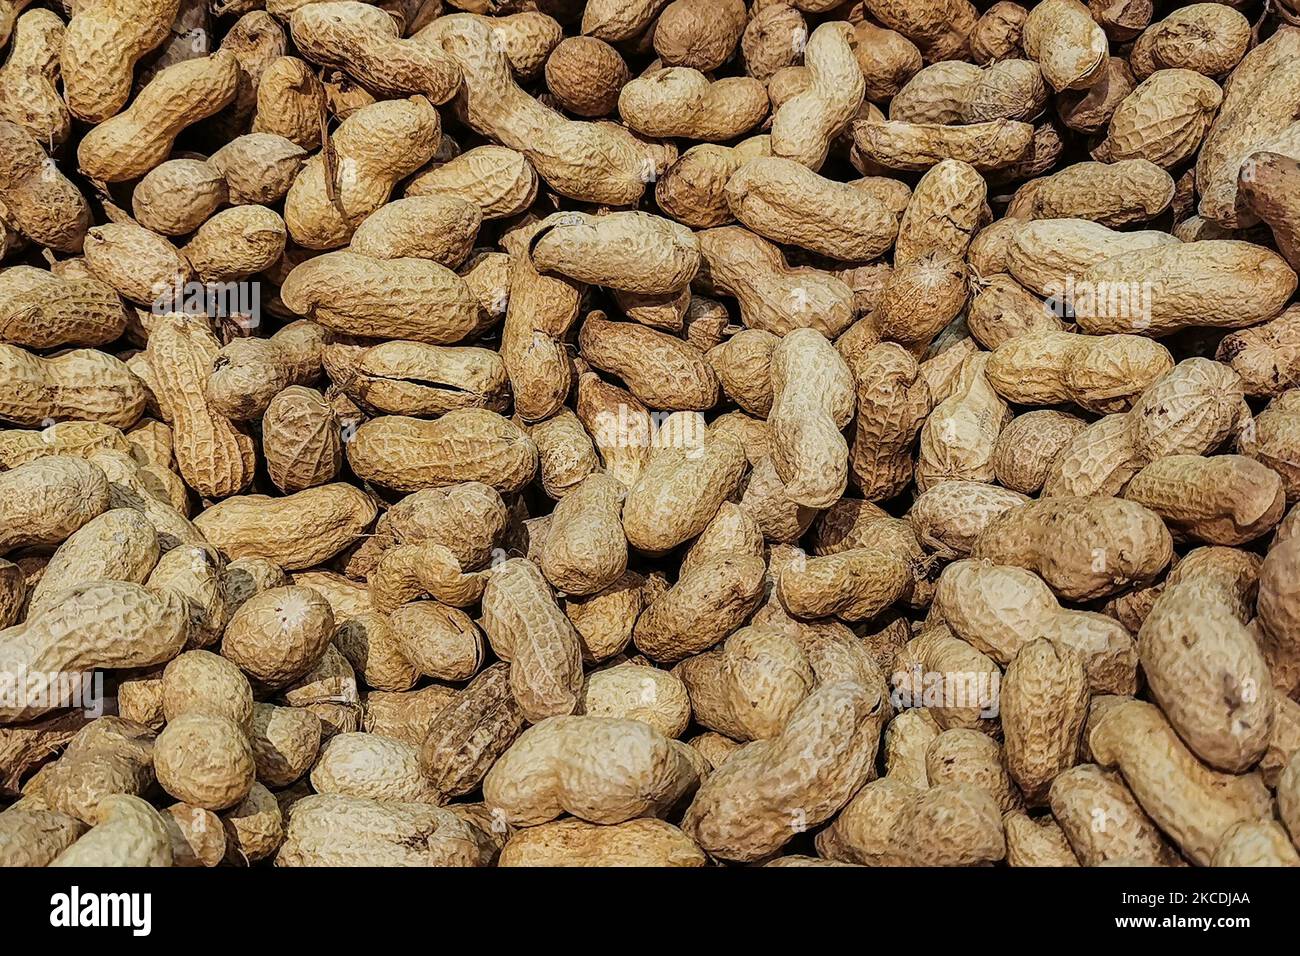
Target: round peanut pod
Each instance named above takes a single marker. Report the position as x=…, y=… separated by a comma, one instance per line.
x=585, y=550
x=636, y=692
x=246, y=375
x=236, y=243
x=368, y=765
x=968, y=756
x=290, y=100
x=438, y=228
x=748, y=688
x=178, y=196
x=585, y=75
x=279, y=635
x=302, y=440
x=257, y=167
x=200, y=682
x=205, y=761
x=441, y=642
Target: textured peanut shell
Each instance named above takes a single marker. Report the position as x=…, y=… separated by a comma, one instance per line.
x=119, y=545
x=1000, y=609
x=467, y=736
x=585, y=75
x=525, y=626
x=373, y=148
x=1043, y=706
x=301, y=440
x=634, y=691
x=38, y=199
x=126, y=832
x=804, y=126
x=1203, y=665
x=1043, y=255
x=1067, y=43
x=442, y=642
x=1102, y=821
x=297, y=531
x=1225, y=499
x=1259, y=102
x=205, y=761
x=41, y=310
x=285, y=741
x=582, y=160
x=178, y=196
x=756, y=801
x=383, y=298
x=968, y=756
x=214, y=457
x=412, y=378
x=813, y=399
x=1084, y=547
x=35, y=837
x=679, y=491
x=1163, y=120
x=370, y=766
x=467, y=444
x=29, y=94
x=1219, y=283
x=903, y=146
x=1101, y=374
x=784, y=201
x=85, y=629
x=600, y=769
x=1193, y=804
x=585, y=550
x=279, y=635
x=136, y=140
x=680, y=102
x=339, y=830
x=700, y=609
x=366, y=43
x=958, y=439
x=749, y=687
x=98, y=75
x=641, y=842
x=500, y=181
x=661, y=370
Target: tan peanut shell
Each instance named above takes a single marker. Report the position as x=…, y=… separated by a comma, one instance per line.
x=1195, y=805
x=561, y=765
x=525, y=625
x=753, y=805
x=297, y=531
x=803, y=127
x=97, y=76
x=136, y=140
x=39, y=201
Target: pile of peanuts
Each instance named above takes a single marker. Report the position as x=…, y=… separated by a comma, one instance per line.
x=649, y=432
